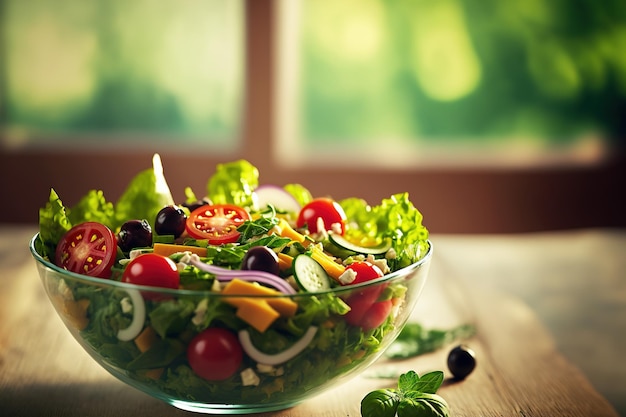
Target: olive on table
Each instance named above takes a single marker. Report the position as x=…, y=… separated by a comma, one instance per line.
x=461, y=361
x=134, y=234
x=170, y=220
x=260, y=258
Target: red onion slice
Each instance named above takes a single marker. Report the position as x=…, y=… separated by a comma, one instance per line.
x=224, y=274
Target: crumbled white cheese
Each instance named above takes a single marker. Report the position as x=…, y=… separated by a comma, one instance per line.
x=200, y=312
x=186, y=258
x=347, y=277
x=391, y=254
x=249, y=377
x=321, y=226
x=336, y=228
x=277, y=230
x=136, y=252
x=127, y=306
x=65, y=291
x=270, y=369
x=380, y=263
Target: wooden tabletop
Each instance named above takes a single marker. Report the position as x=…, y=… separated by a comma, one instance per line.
x=520, y=370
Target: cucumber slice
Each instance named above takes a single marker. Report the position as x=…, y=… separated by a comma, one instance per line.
x=309, y=274
x=366, y=250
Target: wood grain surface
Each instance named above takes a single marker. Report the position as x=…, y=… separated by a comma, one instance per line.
x=520, y=372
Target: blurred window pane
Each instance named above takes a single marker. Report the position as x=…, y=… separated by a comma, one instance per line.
x=104, y=72
x=425, y=82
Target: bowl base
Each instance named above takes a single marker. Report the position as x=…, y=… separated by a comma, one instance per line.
x=228, y=409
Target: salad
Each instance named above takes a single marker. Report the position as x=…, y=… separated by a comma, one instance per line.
x=264, y=290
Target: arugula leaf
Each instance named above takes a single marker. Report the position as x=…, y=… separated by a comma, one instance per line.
x=257, y=227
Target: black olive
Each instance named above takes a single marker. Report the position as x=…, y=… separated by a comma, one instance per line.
x=461, y=361
x=197, y=204
x=260, y=258
x=134, y=234
x=170, y=220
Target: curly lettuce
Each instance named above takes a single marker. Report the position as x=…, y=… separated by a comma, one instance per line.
x=395, y=218
x=234, y=183
x=146, y=194
x=53, y=224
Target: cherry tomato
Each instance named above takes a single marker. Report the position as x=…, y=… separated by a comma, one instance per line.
x=88, y=248
x=153, y=270
x=360, y=302
x=217, y=223
x=365, y=309
x=365, y=271
x=322, y=208
x=376, y=315
x=215, y=354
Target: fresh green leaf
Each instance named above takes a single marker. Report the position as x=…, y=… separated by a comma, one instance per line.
x=144, y=197
x=233, y=183
x=300, y=193
x=424, y=405
x=395, y=218
x=415, y=397
x=93, y=207
x=256, y=227
x=53, y=224
x=161, y=354
x=380, y=403
x=428, y=383
x=415, y=340
x=170, y=317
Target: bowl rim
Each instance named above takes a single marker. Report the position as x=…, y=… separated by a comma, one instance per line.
x=403, y=272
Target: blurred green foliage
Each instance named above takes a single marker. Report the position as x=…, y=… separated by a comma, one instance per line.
x=143, y=68
x=463, y=70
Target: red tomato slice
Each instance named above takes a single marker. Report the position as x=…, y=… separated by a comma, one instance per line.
x=217, y=223
x=326, y=209
x=88, y=248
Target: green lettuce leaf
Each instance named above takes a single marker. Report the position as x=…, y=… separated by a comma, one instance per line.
x=93, y=207
x=233, y=183
x=300, y=193
x=53, y=224
x=395, y=218
x=144, y=197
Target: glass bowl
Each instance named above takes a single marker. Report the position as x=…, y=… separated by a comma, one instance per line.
x=141, y=336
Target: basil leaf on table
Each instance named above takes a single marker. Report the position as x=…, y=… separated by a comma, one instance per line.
x=415, y=396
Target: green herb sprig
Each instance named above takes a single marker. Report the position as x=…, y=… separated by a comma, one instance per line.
x=415, y=396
